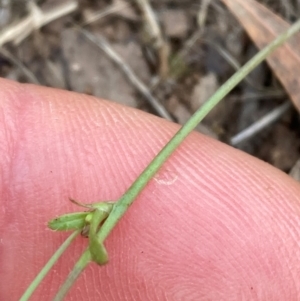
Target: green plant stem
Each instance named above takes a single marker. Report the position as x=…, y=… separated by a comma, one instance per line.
x=41, y=275
x=80, y=265
x=134, y=190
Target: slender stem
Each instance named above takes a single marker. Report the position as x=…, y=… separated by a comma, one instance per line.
x=80, y=265
x=34, y=284
x=134, y=190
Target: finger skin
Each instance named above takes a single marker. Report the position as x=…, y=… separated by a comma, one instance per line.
x=213, y=224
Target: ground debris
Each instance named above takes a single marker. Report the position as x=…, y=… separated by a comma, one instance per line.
x=196, y=58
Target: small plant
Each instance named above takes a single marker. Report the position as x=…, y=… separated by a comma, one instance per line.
x=99, y=219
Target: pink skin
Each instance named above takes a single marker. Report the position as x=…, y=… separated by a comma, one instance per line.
x=214, y=223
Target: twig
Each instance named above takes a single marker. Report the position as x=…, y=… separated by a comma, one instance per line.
x=104, y=46
x=232, y=62
x=202, y=14
x=5, y=13
x=260, y=124
x=201, y=20
x=156, y=36
x=36, y=19
x=105, y=12
x=29, y=75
